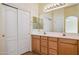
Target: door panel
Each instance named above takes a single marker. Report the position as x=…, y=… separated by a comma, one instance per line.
x=26, y=30
x=23, y=30
x=21, y=44
x=11, y=21
x=11, y=45
x=2, y=44
x=10, y=29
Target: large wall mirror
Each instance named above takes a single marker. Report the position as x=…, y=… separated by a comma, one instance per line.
x=60, y=20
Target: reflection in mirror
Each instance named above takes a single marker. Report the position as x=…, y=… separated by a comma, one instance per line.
x=47, y=20
x=71, y=24
x=54, y=21
x=37, y=24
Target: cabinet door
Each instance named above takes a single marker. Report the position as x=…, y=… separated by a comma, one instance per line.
x=44, y=42
x=67, y=49
x=44, y=45
x=44, y=50
x=10, y=20
x=78, y=47
x=52, y=52
x=36, y=45
x=52, y=45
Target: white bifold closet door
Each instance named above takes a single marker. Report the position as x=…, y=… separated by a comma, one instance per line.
x=17, y=30
x=10, y=19
x=23, y=32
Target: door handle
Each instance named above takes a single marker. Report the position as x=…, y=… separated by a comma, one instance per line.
x=3, y=35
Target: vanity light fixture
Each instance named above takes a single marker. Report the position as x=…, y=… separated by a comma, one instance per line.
x=54, y=6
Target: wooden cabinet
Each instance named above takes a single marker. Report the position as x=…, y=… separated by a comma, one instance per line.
x=52, y=46
x=67, y=47
x=36, y=44
x=44, y=45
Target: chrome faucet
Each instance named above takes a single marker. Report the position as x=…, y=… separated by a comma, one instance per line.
x=44, y=32
x=64, y=34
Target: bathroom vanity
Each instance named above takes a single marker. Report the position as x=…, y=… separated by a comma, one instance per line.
x=64, y=20
x=52, y=44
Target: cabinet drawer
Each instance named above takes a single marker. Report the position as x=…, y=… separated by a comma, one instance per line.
x=72, y=41
x=43, y=50
x=52, y=52
x=44, y=43
x=52, y=39
x=52, y=44
x=36, y=36
x=44, y=37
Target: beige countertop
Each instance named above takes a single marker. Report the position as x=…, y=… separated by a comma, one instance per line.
x=59, y=35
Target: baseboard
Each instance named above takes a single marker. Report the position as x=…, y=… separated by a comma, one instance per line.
x=25, y=52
